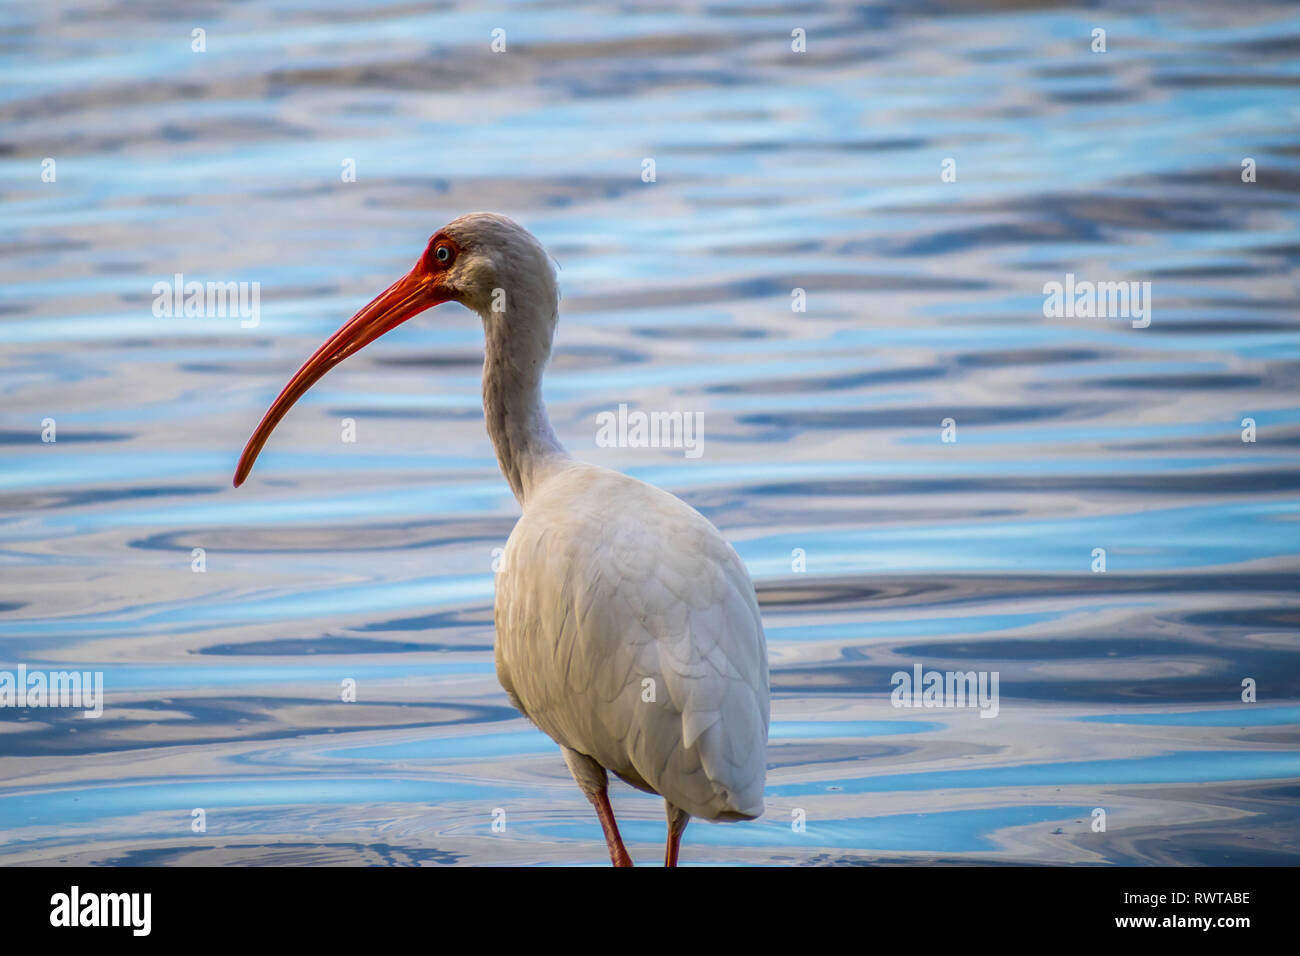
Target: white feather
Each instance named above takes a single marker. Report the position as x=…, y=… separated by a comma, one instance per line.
x=608, y=583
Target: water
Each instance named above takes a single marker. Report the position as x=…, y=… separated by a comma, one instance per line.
x=371, y=561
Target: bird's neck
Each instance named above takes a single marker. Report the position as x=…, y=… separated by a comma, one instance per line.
x=526, y=445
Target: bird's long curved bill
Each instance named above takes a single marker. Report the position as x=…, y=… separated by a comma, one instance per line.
x=408, y=296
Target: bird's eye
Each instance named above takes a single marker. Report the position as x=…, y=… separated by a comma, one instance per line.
x=442, y=253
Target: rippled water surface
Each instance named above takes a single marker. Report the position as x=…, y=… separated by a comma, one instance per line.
x=774, y=170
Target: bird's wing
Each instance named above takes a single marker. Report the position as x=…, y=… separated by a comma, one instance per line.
x=628, y=630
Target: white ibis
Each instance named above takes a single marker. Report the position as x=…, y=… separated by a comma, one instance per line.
x=626, y=626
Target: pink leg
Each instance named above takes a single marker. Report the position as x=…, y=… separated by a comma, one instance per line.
x=677, y=820
x=592, y=780
x=618, y=854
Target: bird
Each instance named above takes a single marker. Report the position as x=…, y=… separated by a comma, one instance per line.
x=627, y=627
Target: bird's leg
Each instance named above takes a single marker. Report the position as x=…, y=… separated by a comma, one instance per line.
x=677, y=820
x=618, y=854
x=592, y=780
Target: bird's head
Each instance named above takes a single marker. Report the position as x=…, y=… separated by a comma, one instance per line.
x=486, y=262
x=483, y=260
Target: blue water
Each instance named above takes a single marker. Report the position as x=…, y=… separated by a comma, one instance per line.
x=875, y=545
